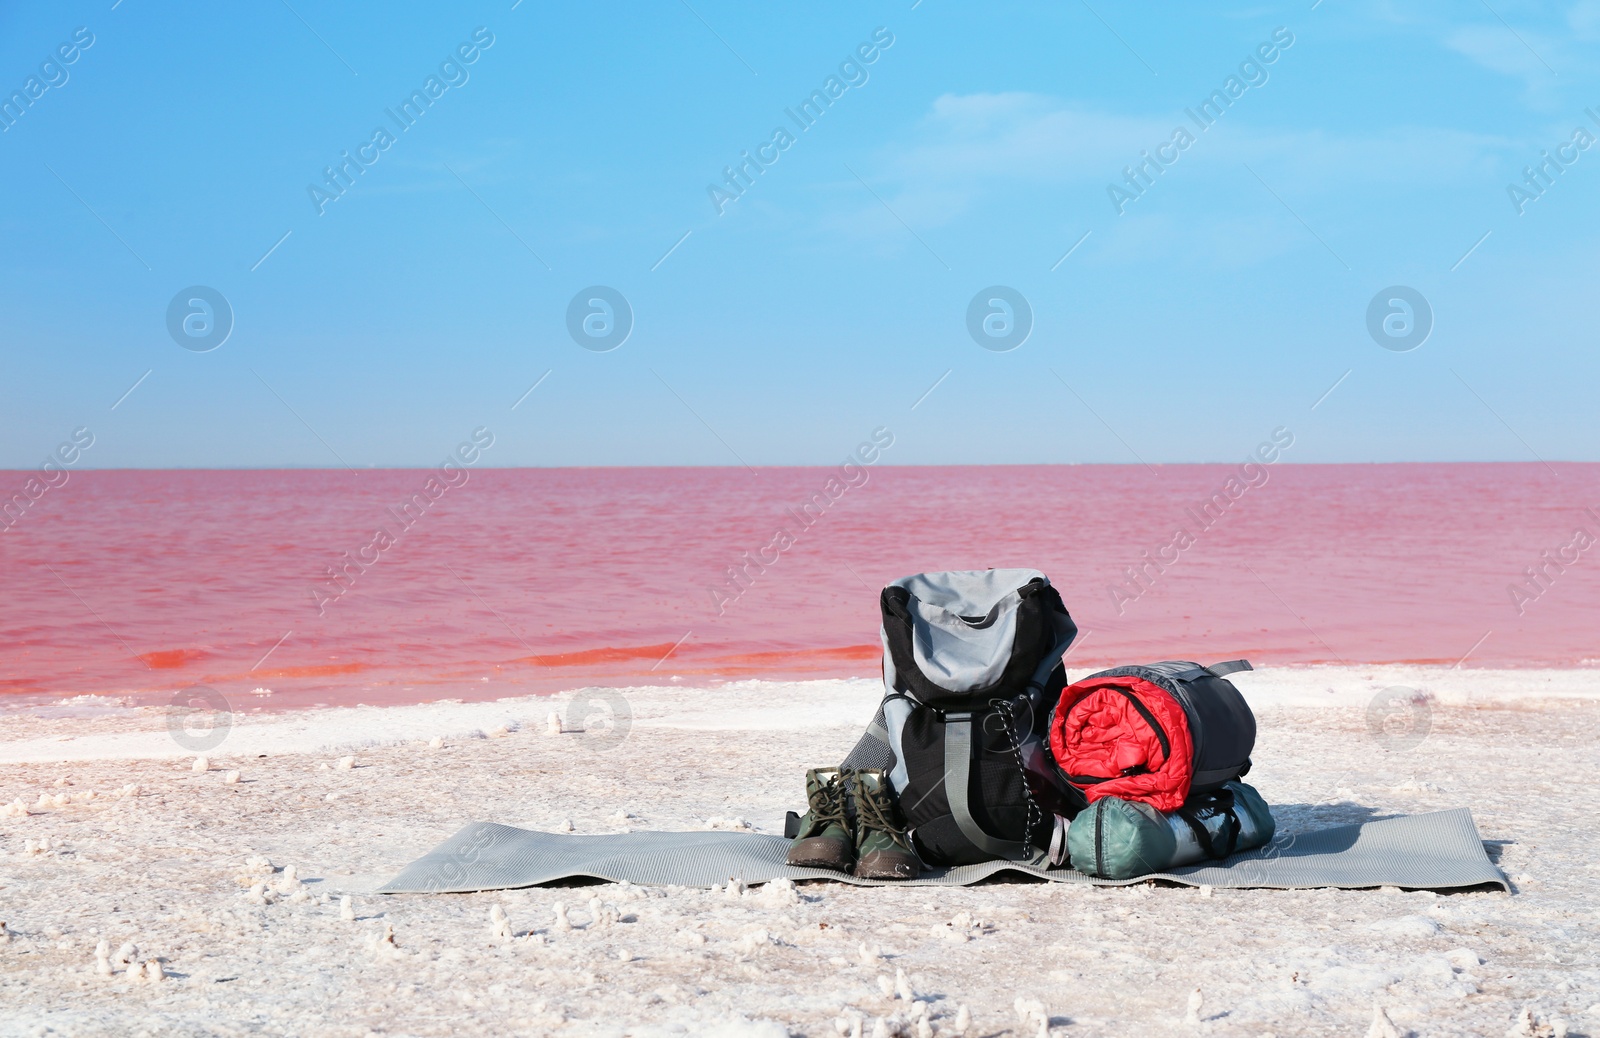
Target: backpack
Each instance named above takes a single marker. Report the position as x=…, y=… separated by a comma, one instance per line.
x=971, y=667
x=1155, y=733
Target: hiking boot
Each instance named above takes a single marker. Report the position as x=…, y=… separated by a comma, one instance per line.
x=823, y=841
x=882, y=849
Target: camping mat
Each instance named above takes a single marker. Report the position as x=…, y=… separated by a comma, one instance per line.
x=1436, y=851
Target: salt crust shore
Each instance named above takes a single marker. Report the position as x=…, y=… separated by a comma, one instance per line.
x=171, y=859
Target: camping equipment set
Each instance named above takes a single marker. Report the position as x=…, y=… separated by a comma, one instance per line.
x=981, y=749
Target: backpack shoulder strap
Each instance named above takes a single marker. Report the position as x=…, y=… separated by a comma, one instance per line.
x=874, y=749
x=957, y=789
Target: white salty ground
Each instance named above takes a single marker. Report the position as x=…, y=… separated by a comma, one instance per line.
x=166, y=867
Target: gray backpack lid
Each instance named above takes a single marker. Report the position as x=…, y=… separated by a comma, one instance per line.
x=964, y=623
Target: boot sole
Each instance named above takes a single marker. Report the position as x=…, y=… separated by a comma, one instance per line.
x=819, y=853
x=875, y=867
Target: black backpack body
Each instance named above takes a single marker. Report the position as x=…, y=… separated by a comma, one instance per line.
x=971, y=669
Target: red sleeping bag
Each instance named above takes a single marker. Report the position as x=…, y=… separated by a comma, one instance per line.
x=1125, y=737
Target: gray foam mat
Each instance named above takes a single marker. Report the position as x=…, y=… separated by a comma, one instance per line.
x=1436, y=851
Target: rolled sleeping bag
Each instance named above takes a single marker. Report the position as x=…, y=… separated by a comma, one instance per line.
x=1153, y=733
x=1124, y=839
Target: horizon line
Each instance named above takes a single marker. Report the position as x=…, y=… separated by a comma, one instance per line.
x=905, y=465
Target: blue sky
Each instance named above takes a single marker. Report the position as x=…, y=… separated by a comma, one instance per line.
x=975, y=150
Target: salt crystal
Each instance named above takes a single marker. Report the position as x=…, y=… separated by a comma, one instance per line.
x=1207, y=892
x=231, y=779
x=1030, y=1010
x=128, y=952
x=387, y=937
x=5, y=935
x=737, y=824
x=963, y=1022
x=153, y=970
x=902, y=986
x=886, y=986
x=552, y=724
x=1407, y=926
x=624, y=955
x=752, y=941
x=347, y=910
x=1531, y=1025
x=869, y=954
x=735, y=887
x=261, y=691
x=1382, y=1026
x=566, y=825
x=499, y=925
x=436, y=743
x=1196, y=1000
x=562, y=922
x=601, y=916
x=880, y=1028
x=345, y=763
x=200, y=764
x=16, y=809
x=102, y=959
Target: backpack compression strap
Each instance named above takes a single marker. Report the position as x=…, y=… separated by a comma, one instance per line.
x=957, y=790
x=1222, y=670
x=1231, y=827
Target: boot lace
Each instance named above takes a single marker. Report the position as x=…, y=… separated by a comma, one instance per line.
x=829, y=806
x=875, y=810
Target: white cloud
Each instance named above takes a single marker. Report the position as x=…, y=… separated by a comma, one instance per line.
x=1522, y=54
x=972, y=145
x=1584, y=19
x=1023, y=136
x=1053, y=159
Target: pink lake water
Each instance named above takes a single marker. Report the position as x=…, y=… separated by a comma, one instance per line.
x=140, y=583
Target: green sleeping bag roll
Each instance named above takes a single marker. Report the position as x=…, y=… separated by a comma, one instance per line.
x=1124, y=839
